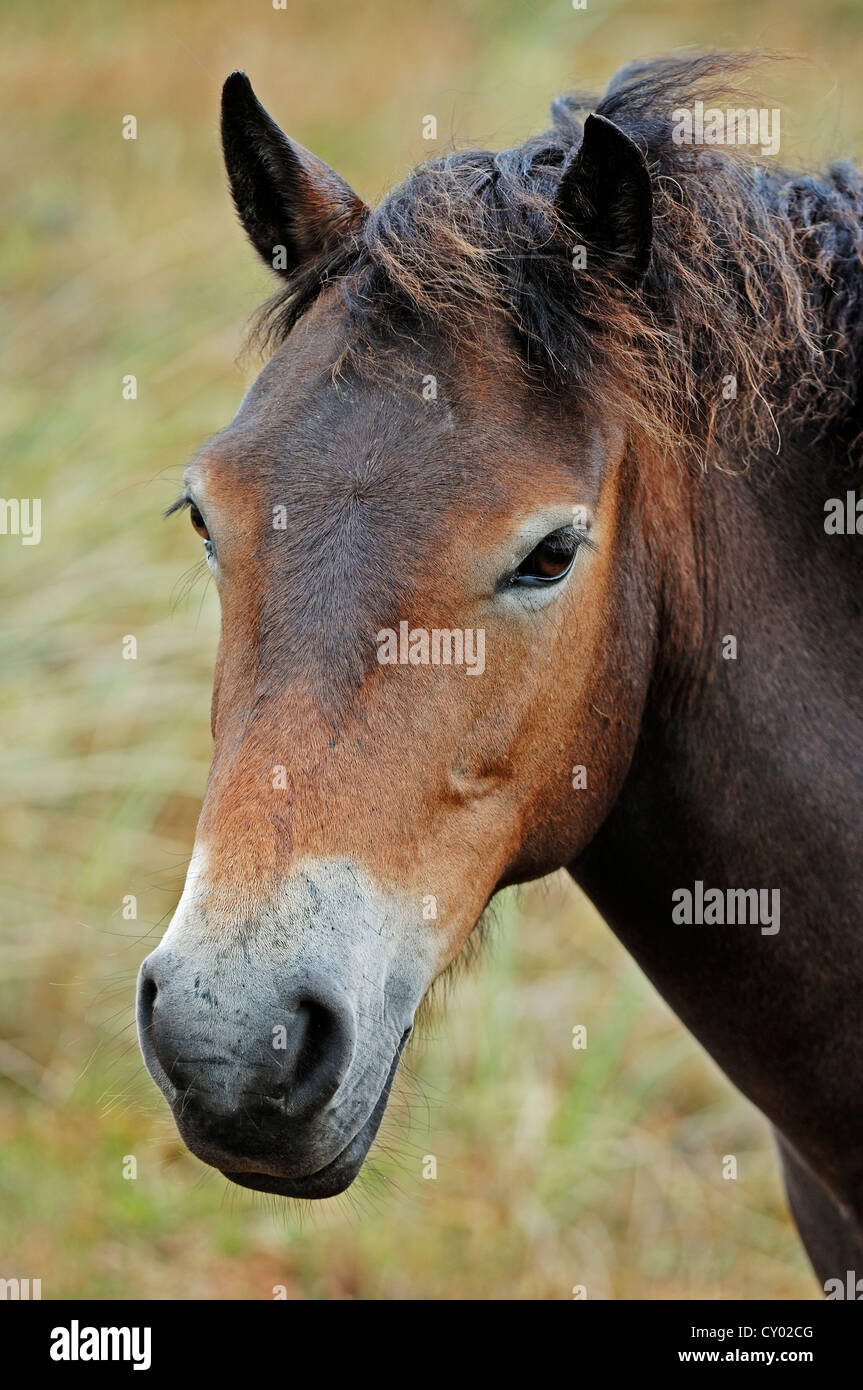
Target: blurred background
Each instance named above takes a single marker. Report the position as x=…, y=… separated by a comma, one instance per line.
x=122, y=257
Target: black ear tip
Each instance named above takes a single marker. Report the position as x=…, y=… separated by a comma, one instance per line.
x=604, y=141
x=601, y=129
x=237, y=89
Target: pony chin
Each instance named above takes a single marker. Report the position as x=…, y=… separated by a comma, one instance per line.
x=334, y=1177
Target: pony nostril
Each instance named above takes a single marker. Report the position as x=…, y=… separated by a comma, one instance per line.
x=146, y=1004
x=147, y=999
x=147, y=991
x=320, y=1050
x=321, y=1029
x=189, y=1051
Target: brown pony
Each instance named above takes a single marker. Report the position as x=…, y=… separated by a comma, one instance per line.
x=537, y=546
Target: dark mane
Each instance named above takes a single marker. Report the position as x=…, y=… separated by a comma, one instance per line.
x=756, y=273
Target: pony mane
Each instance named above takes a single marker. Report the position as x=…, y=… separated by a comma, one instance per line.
x=756, y=274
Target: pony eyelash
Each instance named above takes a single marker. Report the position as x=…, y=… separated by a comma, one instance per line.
x=178, y=506
x=584, y=538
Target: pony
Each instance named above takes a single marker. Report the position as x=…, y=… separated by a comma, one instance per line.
x=596, y=398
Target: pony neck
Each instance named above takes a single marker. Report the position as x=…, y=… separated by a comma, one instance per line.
x=746, y=775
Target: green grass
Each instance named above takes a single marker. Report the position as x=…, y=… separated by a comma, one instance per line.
x=554, y=1167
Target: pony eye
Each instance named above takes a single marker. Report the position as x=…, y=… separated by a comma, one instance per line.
x=549, y=561
x=198, y=522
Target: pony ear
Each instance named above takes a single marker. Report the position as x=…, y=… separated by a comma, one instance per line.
x=293, y=206
x=604, y=198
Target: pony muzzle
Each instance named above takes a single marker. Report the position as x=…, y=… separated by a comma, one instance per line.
x=277, y=1058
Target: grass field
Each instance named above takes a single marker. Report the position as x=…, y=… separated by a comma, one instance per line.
x=555, y=1168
